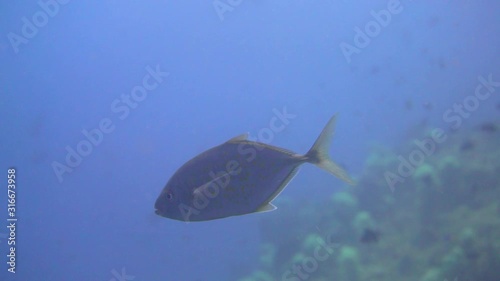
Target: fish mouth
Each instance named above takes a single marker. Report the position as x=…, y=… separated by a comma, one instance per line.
x=161, y=213
x=158, y=207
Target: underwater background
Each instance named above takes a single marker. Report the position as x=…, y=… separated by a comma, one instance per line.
x=101, y=102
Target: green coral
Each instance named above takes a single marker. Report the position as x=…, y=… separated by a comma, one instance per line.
x=298, y=258
x=454, y=258
x=440, y=223
x=467, y=235
x=380, y=157
x=348, y=255
x=345, y=199
x=348, y=261
x=432, y=274
x=447, y=162
x=344, y=205
x=311, y=242
x=426, y=174
x=362, y=221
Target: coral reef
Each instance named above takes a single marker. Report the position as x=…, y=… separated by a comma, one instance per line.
x=440, y=220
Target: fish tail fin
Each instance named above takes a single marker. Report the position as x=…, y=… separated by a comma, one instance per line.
x=319, y=153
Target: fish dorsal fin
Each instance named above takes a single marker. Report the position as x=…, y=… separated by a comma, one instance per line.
x=285, y=151
x=241, y=137
x=266, y=208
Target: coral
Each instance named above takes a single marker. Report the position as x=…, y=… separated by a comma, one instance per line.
x=432, y=274
x=441, y=223
x=298, y=258
x=344, y=205
x=380, y=157
x=348, y=262
x=448, y=162
x=425, y=175
x=467, y=236
x=453, y=260
x=345, y=199
x=311, y=242
x=362, y=221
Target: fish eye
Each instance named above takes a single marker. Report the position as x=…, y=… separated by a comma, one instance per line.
x=169, y=196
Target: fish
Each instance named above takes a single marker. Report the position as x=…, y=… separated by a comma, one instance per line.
x=240, y=177
x=370, y=236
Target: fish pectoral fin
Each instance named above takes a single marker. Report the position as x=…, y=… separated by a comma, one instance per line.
x=241, y=137
x=266, y=208
x=204, y=188
x=199, y=190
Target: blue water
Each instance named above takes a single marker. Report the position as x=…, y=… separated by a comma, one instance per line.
x=71, y=67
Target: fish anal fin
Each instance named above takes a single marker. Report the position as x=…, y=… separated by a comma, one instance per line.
x=266, y=208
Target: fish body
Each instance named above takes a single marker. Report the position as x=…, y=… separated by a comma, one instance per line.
x=238, y=177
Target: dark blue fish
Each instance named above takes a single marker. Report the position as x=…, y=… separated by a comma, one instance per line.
x=239, y=177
